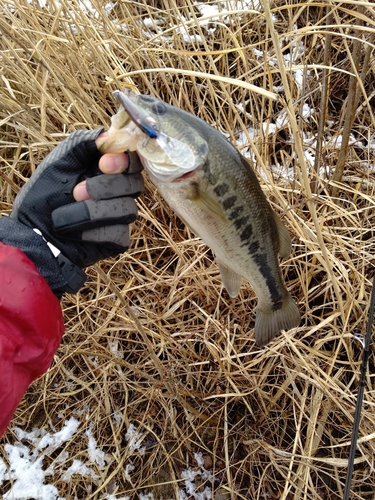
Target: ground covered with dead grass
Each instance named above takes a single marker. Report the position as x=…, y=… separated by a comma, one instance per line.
x=158, y=366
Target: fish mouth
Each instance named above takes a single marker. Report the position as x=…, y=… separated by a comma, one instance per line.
x=191, y=173
x=186, y=175
x=137, y=114
x=168, y=158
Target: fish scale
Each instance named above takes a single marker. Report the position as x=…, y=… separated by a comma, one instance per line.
x=221, y=200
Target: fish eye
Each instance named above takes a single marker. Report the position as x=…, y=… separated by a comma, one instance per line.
x=158, y=108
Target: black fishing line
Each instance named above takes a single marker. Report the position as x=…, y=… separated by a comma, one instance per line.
x=361, y=390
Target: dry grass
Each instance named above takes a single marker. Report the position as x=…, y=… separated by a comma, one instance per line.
x=152, y=339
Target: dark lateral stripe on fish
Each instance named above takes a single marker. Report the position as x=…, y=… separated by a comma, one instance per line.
x=229, y=202
x=238, y=223
x=221, y=189
x=253, y=247
x=266, y=271
x=235, y=213
x=247, y=232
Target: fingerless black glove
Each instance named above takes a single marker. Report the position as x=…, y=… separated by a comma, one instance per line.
x=84, y=232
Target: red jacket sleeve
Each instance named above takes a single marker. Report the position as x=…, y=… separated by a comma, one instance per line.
x=31, y=327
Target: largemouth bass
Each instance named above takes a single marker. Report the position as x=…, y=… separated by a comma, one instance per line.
x=214, y=189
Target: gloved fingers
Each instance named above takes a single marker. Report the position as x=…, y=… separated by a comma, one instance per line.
x=105, y=187
x=135, y=164
x=118, y=234
x=90, y=214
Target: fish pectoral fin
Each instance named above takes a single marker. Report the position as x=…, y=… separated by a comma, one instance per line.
x=208, y=204
x=285, y=243
x=231, y=280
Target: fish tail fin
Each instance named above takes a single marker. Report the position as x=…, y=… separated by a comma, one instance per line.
x=269, y=323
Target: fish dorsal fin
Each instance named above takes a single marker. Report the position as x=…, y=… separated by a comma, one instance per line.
x=231, y=280
x=285, y=243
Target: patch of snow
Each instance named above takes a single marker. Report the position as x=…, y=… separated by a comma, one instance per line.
x=63, y=457
x=259, y=54
x=307, y=111
x=114, y=348
x=40, y=438
x=280, y=172
x=112, y=497
x=27, y=475
x=189, y=38
x=208, y=10
x=54, y=440
x=269, y=127
x=128, y=469
x=94, y=360
x=79, y=468
x=298, y=77
x=26, y=472
x=117, y=417
x=199, y=459
x=134, y=439
x=243, y=138
x=96, y=455
x=42, y=3
x=189, y=475
x=281, y=119
x=310, y=158
x=146, y=496
x=240, y=106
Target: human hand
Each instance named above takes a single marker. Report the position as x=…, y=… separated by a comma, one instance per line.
x=80, y=211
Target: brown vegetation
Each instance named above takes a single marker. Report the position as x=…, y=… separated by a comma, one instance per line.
x=153, y=339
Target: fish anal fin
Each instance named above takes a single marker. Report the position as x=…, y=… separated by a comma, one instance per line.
x=231, y=280
x=269, y=323
x=285, y=243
